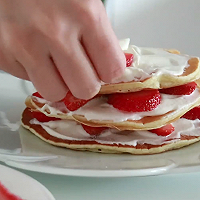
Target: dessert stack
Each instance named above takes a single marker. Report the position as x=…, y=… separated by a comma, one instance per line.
x=152, y=108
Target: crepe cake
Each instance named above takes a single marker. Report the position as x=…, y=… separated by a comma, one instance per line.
x=142, y=110
x=149, y=109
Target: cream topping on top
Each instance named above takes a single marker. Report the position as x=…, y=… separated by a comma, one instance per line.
x=150, y=62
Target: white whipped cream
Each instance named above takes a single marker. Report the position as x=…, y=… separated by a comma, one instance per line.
x=124, y=44
x=99, y=109
x=150, y=62
x=53, y=108
x=71, y=130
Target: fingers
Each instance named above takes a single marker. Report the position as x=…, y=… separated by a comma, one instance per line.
x=11, y=66
x=78, y=37
x=46, y=78
x=76, y=69
x=103, y=48
x=34, y=56
x=15, y=69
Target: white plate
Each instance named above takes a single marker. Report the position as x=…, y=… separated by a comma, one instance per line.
x=29, y=152
x=22, y=185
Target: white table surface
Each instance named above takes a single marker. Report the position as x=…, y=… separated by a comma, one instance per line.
x=164, y=187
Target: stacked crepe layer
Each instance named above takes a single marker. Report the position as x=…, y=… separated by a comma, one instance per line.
x=126, y=132
x=144, y=122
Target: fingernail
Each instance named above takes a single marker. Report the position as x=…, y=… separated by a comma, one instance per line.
x=88, y=93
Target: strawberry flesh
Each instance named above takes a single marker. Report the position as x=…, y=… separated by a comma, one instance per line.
x=192, y=114
x=145, y=100
x=37, y=94
x=73, y=103
x=93, y=130
x=129, y=59
x=42, y=117
x=185, y=89
x=163, y=131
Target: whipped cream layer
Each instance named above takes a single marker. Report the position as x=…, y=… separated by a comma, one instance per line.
x=71, y=130
x=99, y=109
x=150, y=62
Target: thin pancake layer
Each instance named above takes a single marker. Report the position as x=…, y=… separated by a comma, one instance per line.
x=191, y=73
x=144, y=123
x=94, y=146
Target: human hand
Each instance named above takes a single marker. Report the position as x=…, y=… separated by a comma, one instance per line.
x=59, y=45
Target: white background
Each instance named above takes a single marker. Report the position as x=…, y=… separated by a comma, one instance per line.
x=158, y=23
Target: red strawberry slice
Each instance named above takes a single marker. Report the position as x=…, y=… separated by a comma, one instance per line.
x=37, y=94
x=163, y=131
x=145, y=100
x=73, y=103
x=129, y=59
x=93, y=130
x=193, y=114
x=180, y=90
x=42, y=117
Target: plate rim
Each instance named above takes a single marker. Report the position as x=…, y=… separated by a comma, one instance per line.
x=21, y=174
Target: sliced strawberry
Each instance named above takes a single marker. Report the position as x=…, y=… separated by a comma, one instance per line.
x=145, y=100
x=73, y=103
x=193, y=114
x=37, y=94
x=42, y=117
x=180, y=90
x=129, y=59
x=93, y=130
x=163, y=131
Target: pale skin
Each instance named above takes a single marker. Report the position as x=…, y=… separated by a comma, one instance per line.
x=59, y=45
